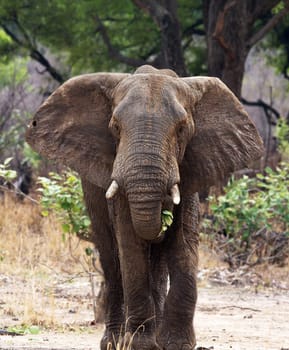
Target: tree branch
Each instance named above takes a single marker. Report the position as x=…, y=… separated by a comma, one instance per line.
x=262, y=104
x=112, y=50
x=260, y=8
x=267, y=27
x=37, y=56
x=193, y=29
x=34, y=52
x=153, y=8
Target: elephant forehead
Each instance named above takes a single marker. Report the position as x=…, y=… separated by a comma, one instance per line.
x=153, y=92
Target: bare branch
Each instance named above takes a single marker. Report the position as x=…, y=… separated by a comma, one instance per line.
x=153, y=8
x=37, y=56
x=194, y=30
x=267, y=27
x=260, y=8
x=112, y=50
x=262, y=104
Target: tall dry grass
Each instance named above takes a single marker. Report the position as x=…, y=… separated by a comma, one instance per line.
x=29, y=241
x=34, y=261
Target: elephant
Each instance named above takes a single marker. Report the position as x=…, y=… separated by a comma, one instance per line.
x=143, y=143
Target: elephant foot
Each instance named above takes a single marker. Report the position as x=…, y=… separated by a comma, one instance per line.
x=178, y=340
x=139, y=342
x=109, y=340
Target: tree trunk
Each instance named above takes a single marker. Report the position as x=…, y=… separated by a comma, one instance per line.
x=231, y=34
x=226, y=41
x=164, y=14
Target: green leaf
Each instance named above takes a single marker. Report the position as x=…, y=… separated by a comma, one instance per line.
x=34, y=330
x=65, y=227
x=7, y=161
x=167, y=213
x=167, y=220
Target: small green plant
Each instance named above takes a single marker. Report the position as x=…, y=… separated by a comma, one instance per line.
x=62, y=194
x=249, y=206
x=21, y=330
x=5, y=172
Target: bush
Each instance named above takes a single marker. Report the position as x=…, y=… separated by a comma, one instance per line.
x=6, y=174
x=282, y=134
x=63, y=195
x=252, y=210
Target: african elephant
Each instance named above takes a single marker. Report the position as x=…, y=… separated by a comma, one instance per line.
x=142, y=143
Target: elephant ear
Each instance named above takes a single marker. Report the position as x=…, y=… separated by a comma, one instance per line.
x=225, y=138
x=71, y=127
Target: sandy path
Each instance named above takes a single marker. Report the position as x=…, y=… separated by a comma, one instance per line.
x=226, y=318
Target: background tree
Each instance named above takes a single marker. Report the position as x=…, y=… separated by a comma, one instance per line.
x=103, y=35
x=233, y=27
x=192, y=37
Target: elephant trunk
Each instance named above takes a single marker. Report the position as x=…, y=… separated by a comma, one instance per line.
x=146, y=173
x=146, y=215
x=146, y=187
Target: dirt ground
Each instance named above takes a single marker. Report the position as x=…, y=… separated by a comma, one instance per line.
x=234, y=312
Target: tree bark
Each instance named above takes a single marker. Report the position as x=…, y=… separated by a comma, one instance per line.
x=226, y=42
x=230, y=35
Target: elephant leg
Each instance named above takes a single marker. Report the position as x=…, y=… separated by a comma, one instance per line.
x=159, y=271
x=177, y=329
x=105, y=242
x=136, y=278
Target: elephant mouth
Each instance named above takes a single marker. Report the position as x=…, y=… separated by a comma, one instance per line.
x=146, y=210
x=174, y=192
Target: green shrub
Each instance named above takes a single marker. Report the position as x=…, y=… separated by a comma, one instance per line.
x=5, y=172
x=250, y=206
x=62, y=194
x=282, y=134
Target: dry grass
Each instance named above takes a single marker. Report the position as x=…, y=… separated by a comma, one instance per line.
x=34, y=262
x=43, y=279
x=30, y=242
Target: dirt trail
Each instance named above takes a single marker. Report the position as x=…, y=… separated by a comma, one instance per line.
x=226, y=318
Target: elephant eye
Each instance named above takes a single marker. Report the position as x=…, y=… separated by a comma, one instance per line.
x=181, y=129
x=114, y=128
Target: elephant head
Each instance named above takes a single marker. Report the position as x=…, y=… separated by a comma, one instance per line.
x=144, y=134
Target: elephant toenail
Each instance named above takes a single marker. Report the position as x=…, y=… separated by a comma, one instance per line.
x=187, y=347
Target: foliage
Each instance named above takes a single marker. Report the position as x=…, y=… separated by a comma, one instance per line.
x=5, y=172
x=62, y=194
x=13, y=81
x=282, y=133
x=250, y=206
x=21, y=330
x=167, y=220
x=68, y=29
x=13, y=72
x=31, y=156
x=7, y=47
x=277, y=45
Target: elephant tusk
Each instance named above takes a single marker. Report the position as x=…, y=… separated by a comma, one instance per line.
x=175, y=192
x=112, y=190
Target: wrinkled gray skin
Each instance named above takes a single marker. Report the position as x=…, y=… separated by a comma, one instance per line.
x=147, y=131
